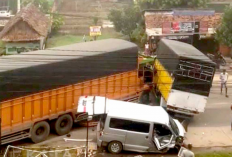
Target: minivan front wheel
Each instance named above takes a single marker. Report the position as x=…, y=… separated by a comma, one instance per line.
x=115, y=147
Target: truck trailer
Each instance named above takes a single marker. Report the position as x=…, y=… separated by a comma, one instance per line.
x=39, y=90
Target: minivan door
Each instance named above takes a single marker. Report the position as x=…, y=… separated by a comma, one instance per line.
x=137, y=137
x=162, y=137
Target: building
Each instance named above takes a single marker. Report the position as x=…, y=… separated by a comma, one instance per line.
x=196, y=27
x=26, y=31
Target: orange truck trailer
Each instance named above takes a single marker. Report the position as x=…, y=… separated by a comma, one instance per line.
x=39, y=90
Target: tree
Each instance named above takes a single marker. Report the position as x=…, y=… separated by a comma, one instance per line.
x=167, y=4
x=224, y=32
x=126, y=20
x=44, y=5
x=57, y=22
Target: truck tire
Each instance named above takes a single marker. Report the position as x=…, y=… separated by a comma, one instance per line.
x=63, y=124
x=115, y=147
x=40, y=132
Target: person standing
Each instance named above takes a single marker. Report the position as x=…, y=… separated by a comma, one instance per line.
x=224, y=77
x=147, y=49
x=188, y=152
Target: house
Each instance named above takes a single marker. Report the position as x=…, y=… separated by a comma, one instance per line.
x=196, y=27
x=26, y=31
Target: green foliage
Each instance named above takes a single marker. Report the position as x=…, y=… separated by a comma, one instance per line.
x=139, y=35
x=61, y=40
x=43, y=5
x=166, y=4
x=57, y=22
x=13, y=6
x=126, y=20
x=224, y=32
x=95, y=20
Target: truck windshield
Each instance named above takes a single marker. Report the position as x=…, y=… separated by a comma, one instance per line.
x=173, y=126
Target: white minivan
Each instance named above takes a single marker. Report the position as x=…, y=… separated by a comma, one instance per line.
x=133, y=127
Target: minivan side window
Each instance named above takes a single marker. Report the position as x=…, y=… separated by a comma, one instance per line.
x=129, y=125
x=119, y=124
x=161, y=130
x=139, y=127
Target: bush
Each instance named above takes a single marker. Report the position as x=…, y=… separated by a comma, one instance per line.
x=57, y=22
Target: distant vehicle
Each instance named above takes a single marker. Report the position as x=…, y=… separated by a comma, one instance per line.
x=4, y=13
x=154, y=129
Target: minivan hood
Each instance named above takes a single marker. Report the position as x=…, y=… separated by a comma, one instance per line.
x=181, y=128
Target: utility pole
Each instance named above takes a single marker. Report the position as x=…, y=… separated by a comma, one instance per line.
x=18, y=5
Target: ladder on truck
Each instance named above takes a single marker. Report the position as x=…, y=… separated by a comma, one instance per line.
x=195, y=71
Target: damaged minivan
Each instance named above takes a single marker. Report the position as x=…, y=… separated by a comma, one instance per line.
x=139, y=128
x=131, y=126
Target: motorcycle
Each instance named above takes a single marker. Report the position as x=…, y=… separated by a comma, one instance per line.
x=217, y=58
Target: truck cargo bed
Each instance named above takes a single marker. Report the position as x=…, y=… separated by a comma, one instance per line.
x=37, y=71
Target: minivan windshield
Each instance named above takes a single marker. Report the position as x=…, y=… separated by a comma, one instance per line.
x=173, y=126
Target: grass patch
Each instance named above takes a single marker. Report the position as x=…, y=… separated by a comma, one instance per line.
x=215, y=154
x=2, y=48
x=61, y=40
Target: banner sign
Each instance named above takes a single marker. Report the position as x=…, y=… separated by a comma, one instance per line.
x=95, y=31
x=182, y=27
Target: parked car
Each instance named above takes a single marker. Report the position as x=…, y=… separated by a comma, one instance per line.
x=4, y=13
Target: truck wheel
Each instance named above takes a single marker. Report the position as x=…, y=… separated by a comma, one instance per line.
x=40, y=132
x=63, y=124
x=115, y=147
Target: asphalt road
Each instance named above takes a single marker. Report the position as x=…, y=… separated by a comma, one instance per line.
x=213, y=127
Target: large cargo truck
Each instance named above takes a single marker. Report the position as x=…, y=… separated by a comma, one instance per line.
x=39, y=90
x=181, y=77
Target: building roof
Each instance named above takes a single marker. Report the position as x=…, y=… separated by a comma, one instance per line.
x=134, y=111
x=29, y=24
x=183, y=11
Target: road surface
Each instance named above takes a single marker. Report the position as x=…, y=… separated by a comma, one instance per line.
x=213, y=127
